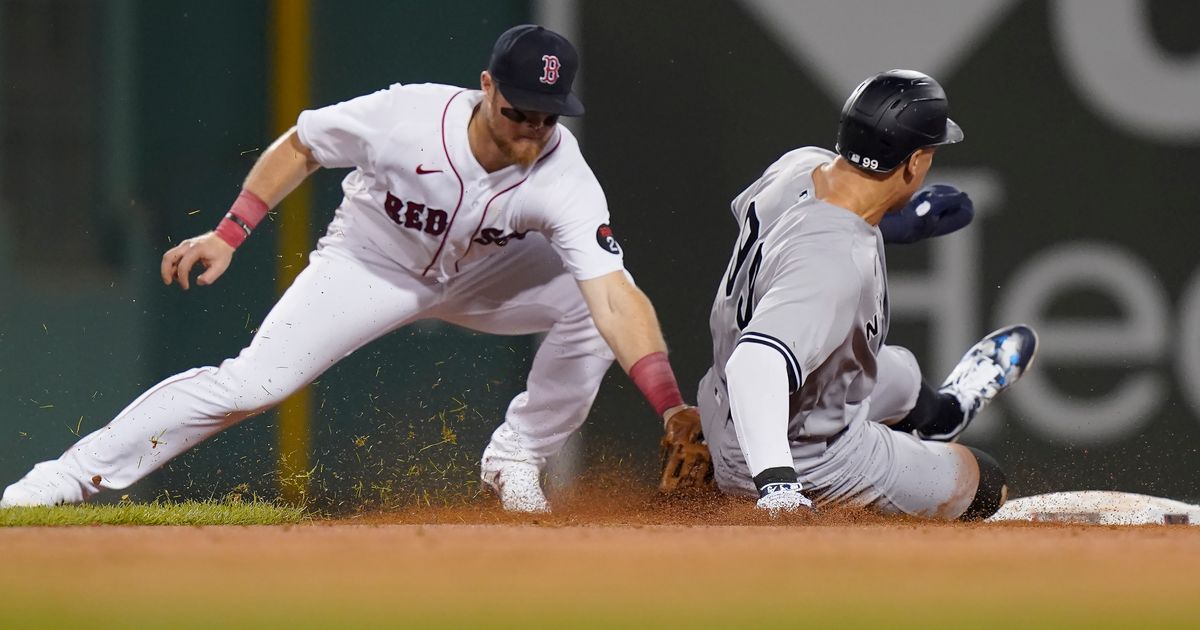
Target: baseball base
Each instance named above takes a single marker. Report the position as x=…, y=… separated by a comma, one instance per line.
x=1099, y=507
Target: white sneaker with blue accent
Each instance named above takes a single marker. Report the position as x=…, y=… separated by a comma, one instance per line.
x=781, y=498
x=991, y=365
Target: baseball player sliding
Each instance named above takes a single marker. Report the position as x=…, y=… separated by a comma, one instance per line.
x=470, y=206
x=804, y=401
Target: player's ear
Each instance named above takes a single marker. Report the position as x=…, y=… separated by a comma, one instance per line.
x=911, y=166
x=918, y=163
x=485, y=82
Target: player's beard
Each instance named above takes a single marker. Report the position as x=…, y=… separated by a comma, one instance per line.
x=523, y=151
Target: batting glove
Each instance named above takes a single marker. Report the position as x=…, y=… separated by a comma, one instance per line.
x=777, y=498
x=935, y=210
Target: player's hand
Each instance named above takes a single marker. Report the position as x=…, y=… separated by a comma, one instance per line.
x=685, y=458
x=779, y=498
x=935, y=210
x=673, y=411
x=207, y=249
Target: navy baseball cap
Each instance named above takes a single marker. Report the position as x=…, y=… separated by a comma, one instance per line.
x=534, y=69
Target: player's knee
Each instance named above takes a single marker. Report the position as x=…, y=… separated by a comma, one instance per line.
x=992, y=490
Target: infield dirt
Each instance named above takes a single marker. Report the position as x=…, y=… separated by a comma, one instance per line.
x=636, y=561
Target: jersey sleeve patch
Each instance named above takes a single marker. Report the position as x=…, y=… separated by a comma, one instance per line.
x=606, y=239
x=793, y=366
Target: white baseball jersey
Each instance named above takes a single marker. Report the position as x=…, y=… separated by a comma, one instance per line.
x=423, y=198
x=807, y=279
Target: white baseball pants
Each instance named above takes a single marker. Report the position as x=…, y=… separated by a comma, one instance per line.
x=868, y=464
x=349, y=295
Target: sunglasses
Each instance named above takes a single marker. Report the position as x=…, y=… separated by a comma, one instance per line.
x=519, y=116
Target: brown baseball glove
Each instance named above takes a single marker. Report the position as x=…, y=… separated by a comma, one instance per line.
x=686, y=460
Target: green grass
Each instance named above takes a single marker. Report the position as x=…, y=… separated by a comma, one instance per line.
x=156, y=513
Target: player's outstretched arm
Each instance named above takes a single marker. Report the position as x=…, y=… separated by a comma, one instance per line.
x=280, y=169
x=757, y=378
x=626, y=320
x=624, y=316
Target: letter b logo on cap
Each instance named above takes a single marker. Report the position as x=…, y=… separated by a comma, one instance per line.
x=549, y=70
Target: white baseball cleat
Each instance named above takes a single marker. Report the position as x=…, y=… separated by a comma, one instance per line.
x=519, y=487
x=48, y=484
x=991, y=365
x=27, y=495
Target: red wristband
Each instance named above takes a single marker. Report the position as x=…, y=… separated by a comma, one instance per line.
x=652, y=374
x=245, y=214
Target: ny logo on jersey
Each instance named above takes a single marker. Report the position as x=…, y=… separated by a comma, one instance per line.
x=872, y=326
x=549, y=70
x=416, y=216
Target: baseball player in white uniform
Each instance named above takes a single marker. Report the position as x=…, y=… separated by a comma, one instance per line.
x=804, y=401
x=469, y=206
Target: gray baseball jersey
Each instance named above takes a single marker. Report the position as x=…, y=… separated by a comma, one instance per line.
x=806, y=279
